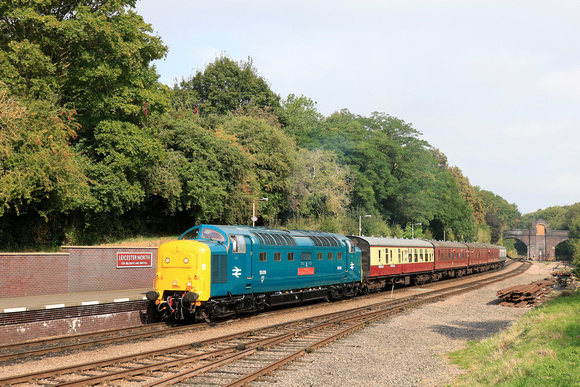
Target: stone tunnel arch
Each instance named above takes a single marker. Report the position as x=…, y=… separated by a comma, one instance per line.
x=540, y=239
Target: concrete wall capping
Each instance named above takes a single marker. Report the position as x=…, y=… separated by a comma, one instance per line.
x=31, y=254
x=119, y=248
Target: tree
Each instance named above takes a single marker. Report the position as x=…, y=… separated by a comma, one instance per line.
x=122, y=161
x=94, y=55
x=319, y=185
x=215, y=172
x=507, y=214
x=272, y=152
x=301, y=120
x=41, y=178
x=223, y=87
x=468, y=194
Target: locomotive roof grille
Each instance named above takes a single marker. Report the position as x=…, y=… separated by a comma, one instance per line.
x=325, y=241
x=274, y=239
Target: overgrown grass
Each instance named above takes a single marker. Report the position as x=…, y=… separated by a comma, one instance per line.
x=541, y=349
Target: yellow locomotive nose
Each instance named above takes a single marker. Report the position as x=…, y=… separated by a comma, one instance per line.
x=183, y=266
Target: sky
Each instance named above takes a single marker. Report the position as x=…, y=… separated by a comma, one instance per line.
x=495, y=85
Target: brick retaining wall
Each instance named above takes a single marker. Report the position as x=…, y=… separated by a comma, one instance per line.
x=76, y=269
x=30, y=274
x=94, y=269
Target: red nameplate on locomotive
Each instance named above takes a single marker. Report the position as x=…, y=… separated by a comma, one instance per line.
x=305, y=271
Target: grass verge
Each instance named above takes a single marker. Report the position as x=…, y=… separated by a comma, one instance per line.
x=540, y=349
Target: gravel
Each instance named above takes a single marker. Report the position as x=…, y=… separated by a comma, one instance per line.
x=405, y=350
x=409, y=349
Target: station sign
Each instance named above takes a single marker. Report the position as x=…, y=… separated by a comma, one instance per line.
x=134, y=260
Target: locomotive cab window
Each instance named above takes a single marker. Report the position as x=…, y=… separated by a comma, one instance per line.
x=238, y=244
x=209, y=233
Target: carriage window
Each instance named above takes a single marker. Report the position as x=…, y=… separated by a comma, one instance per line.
x=263, y=256
x=319, y=256
x=238, y=244
x=277, y=257
x=329, y=256
x=379, y=255
x=290, y=256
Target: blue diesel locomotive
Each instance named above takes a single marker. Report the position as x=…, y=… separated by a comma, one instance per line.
x=214, y=271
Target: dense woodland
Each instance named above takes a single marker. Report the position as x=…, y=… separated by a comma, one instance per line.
x=94, y=148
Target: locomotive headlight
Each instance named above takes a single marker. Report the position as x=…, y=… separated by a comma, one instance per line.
x=185, y=260
x=175, y=283
x=167, y=260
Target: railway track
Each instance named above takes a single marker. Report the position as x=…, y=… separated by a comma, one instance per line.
x=69, y=343
x=240, y=358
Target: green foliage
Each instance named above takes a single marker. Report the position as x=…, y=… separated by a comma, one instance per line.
x=215, y=172
x=40, y=172
x=150, y=158
x=93, y=55
x=123, y=161
x=272, y=153
x=42, y=178
x=319, y=186
x=301, y=120
x=499, y=214
x=223, y=87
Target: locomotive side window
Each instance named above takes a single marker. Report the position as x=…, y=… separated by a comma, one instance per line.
x=263, y=256
x=319, y=256
x=290, y=256
x=338, y=256
x=277, y=257
x=306, y=256
x=329, y=256
x=238, y=244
